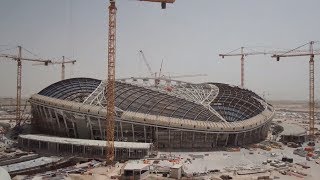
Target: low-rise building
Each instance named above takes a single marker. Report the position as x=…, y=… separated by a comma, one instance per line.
x=293, y=133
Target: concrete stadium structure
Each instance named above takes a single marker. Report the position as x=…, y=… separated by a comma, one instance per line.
x=170, y=114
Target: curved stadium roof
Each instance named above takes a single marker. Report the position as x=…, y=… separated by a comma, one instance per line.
x=206, y=102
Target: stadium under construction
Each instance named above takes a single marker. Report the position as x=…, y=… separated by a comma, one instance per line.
x=167, y=113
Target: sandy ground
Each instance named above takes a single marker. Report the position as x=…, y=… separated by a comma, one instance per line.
x=99, y=173
x=221, y=159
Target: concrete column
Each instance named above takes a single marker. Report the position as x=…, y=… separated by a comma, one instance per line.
x=226, y=143
x=74, y=130
x=157, y=138
x=57, y=119
x=40, y=111
x=121, y=130
x=132, y=132
x=90, y=126
x=65, y=123
x=47, y=116
x=180, y=139
x=244, y=137
x=151, y=130
x=205, y=137
x=236, y=140
x=217, y=140
x=46, y=119
x=101, y=132
x=145, y=134
x=259, y=133
x=169, y=139
x=255, y=134
x=193, y=140
x=117, y=127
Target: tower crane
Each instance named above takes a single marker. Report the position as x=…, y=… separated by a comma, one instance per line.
x=147, y=64
x=163, y=77
x=62, y=62
x=242, y=54
x=110, y=94
x=18, y=58
x=153, y=74
x=311, y=54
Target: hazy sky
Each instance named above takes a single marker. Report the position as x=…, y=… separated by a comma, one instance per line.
x=188, y=35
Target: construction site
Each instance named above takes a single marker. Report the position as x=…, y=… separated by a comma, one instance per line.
x=157, y=125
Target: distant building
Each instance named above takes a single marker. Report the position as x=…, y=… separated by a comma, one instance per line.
x=293, y=133
x=135, y=171
x=176, y=171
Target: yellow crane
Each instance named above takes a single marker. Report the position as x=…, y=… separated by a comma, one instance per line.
x=311, y=53
x=62, y=62
x=18, y=58
x=242, y=54
x=110, y=91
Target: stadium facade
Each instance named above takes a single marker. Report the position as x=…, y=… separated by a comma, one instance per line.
x=170, y=114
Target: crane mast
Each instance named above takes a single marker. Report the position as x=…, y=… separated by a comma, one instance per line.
x=19, y=76
x=242, y=68
x=110, y=90
x=311, y=91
